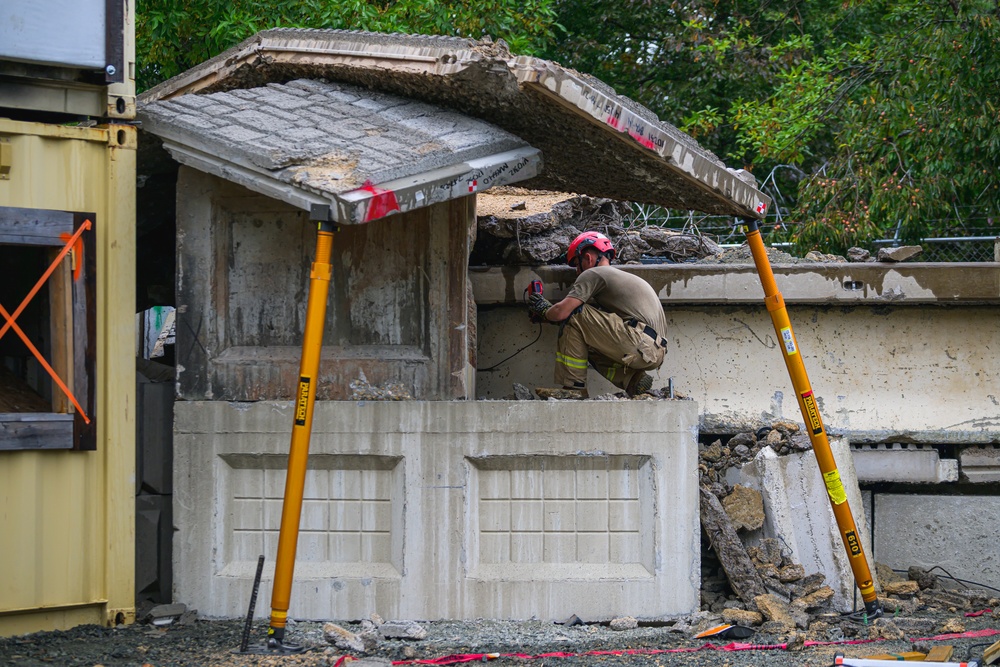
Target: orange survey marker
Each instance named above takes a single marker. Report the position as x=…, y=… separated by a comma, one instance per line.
x=12, y=324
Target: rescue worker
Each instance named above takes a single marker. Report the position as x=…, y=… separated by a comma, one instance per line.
x=610, y=319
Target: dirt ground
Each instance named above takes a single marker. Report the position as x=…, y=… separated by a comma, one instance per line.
x=212, y=643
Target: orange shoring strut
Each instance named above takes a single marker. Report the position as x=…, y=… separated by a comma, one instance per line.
x=34, y=290
x=814, y=422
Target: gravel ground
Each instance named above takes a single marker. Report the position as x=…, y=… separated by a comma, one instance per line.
x=212, y=643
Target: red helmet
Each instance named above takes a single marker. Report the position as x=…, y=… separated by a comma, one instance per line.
x=600, y=242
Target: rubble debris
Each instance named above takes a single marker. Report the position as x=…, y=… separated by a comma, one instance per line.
x=924, y=578
x=815, y=600
x=858, y=255
x=884, y=628
x=740, y=571
x=745, y=509
x=166, y=614
x=624, y=623
x=362, y=390
x=402, y=630
x=775, y=609
x=900, y=254
x=522, y=393
x=742, y=617
x=817, y=256
x=952, y=625
x=517, y=226
x=886, y=574
x=346, y=640
x=902, y=589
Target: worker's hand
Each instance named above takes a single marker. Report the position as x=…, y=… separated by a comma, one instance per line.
x=538, y=305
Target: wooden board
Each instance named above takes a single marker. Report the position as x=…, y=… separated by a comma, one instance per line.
x=992, y=654
x=914, y=656
x=940, y=654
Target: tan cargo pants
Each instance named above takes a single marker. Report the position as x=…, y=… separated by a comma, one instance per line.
x=616, y=350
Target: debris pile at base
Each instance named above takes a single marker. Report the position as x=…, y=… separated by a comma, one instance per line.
x=519, y=227
x=758, y=585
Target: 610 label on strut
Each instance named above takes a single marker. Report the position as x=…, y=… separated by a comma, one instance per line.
x=302, y=402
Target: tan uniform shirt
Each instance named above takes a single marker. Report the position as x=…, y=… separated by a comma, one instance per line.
x=621, y=293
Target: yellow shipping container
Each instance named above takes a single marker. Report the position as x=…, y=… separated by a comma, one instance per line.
x=67, y=518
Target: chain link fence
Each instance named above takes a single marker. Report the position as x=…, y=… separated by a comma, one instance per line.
x=973, y=245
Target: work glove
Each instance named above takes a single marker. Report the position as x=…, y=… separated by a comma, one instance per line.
x=538, y=305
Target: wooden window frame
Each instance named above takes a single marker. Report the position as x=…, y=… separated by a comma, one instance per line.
x=64, y=428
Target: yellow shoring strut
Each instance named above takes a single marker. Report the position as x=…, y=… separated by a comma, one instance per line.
x=298, y=451
x=814, y=422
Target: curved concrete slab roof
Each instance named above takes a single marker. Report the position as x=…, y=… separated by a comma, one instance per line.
x=314, y=143
x=593, y=141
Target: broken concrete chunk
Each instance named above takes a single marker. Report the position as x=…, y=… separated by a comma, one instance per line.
x=770, y=551
x=886, y=629
x=789, y=573
x=747, y=439
x=745, y=508
x=742, y=617
x=902, y=589
x=913, y=625
x=342, y=638
x=895, y=605
x=858, y=255
x=777, y=628
x=816, y=599
x=522, y=393
x=166, y=611
x=740, y=571
x=952, y=625
x=944, y=599
x=624, y=623
x=776, y=609
x=810, y=584
x=921, y=576
x=885, y=574
x=713, y=452
x=899, y=254
x=402, y=630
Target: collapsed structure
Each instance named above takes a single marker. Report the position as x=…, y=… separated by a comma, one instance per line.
x=448, y=507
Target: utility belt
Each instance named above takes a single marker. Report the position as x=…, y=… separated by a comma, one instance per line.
x=648, y=330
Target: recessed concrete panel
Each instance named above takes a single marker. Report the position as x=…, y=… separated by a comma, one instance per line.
x=959, y=533
x=437, y=510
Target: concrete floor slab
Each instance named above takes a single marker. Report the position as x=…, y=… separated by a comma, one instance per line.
x=437, y=510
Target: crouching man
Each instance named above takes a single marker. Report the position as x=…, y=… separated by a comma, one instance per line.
x=611, y=320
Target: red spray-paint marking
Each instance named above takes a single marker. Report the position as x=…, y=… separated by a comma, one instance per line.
x=382, y=203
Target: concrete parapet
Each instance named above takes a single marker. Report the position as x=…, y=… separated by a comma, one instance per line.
x=904, y=463
x=959, y=533
x=437, y=510
x=981, y=464
x=798, y=512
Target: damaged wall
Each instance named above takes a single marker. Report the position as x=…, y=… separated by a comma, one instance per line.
x=397, y=307
x=882, y=360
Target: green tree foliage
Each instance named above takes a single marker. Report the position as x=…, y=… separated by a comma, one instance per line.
x=888, y=107
x=175, y=35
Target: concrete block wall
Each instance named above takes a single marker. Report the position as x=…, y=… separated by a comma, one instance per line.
x=435, y=510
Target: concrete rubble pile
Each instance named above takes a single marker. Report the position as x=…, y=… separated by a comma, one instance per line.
x=524, y=227
x=754, y=582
